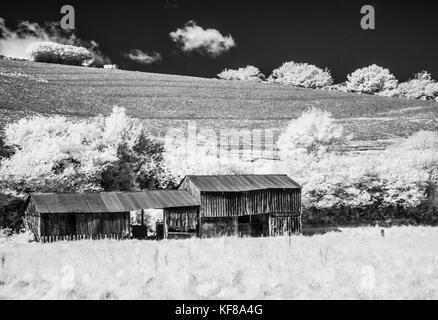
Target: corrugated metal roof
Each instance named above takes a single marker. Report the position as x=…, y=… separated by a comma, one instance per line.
x=238, y=183
x=111, y=201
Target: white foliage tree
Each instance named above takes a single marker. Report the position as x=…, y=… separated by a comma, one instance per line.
x=301, y=75
x=422, y=87
x=53, y=52
x=58, y=154
x=371, y=79
x=248, y=73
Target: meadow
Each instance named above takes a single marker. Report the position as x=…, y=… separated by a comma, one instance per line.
x=355, y=263
x=169, y=101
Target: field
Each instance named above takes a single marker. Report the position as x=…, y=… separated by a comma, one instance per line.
x=167, y=101
x=352, y=264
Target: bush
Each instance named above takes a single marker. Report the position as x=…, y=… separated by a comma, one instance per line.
x=53, y=52
x=371, y=79
x=110, y=66
x=314, y=133
x=249, y=73
x=301, y=75
x=54, y=154
x=421, y=87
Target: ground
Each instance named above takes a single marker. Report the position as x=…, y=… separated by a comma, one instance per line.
x=356, y=263
x=166, y=101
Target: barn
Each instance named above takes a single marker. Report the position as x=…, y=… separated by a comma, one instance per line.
x=60, y=216
x=246, y=205
x=203, y=206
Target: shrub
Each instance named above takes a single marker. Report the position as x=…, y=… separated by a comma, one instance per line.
x=53, y=52
x=110, y=66
x=301, y=75
x=421, y=87
x=248, y=73
x=371, y=79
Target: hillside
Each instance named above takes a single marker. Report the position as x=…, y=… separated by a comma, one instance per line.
x=165, y=101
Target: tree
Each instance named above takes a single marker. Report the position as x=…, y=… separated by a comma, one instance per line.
x=314, y=133
x=54, y=154
x=371, y=79
x=249, y=73
x=301, y=75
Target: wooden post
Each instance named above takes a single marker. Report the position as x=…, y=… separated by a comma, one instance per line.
x=269, y=225
x=199, y=223
x=165, y=235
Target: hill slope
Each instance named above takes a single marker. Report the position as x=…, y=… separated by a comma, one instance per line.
x=165, y=101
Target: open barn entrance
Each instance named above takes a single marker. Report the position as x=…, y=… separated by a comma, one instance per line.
x=146, y=223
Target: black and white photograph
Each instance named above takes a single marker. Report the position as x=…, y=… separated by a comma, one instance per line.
x=215, y=150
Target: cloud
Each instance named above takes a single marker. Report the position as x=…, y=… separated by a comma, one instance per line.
x=17, y=43
x=142, y=57
x=206, y=41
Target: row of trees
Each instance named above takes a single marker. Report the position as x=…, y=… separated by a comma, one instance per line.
x=114, y=153
x=48, y=154
x=402, y=175
x=369, y=80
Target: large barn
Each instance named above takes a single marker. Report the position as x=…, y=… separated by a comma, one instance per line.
x=59, y=216
x=203, y=206
x=252, y=205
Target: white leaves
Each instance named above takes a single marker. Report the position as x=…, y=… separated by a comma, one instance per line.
x=57, y=153
x=301, y=75
x=53, y=52
x=248, y=73
x=371, y=79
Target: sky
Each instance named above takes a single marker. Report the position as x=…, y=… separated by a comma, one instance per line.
x=260, y=33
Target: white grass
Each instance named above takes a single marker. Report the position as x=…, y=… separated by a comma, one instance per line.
x=352, y=264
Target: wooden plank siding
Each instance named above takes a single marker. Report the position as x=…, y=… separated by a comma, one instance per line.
x=32, y=220
x=87, y=224
x=181, y=222
x=230, y=204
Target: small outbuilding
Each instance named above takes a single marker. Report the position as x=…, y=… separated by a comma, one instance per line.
x=59, y=216
x=246, y=205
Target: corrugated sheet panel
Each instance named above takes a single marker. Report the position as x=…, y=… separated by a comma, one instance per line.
x=239, y=183
x=111, y=201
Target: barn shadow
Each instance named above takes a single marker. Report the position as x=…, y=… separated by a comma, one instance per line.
x=307, y=231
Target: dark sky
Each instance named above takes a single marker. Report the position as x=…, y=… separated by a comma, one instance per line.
x=267, y=33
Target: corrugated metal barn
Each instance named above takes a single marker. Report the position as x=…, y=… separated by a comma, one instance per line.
x=253, y=205
x=56, y=216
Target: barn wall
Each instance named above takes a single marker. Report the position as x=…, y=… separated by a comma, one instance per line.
x=188, y=186
x=219, y=227
x=32, y=219
x=249, y=203
x=181, y=222
x=63, y=224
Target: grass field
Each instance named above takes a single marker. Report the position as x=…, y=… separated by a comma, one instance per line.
x=352, y=264
x=165, y=101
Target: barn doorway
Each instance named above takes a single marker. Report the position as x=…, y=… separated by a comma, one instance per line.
x=252, y=225
x=145, y=223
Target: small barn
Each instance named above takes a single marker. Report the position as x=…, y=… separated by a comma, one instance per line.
x=59, y=216
x=246, y=205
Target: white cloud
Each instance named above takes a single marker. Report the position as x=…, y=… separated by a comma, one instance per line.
x=207, y=41
x=143, y=58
